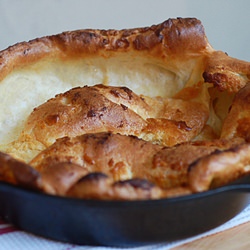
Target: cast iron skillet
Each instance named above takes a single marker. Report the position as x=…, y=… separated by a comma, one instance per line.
x=122, y=223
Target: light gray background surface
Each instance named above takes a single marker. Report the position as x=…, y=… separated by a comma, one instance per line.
x=226, y=21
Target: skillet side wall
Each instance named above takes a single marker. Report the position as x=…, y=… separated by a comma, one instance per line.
x=126, y=224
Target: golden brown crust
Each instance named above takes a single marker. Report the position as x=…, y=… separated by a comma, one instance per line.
x=59, y=178
x=96, y=166
x=18, y=173
x=226, y=73
x=86, y=110
x=100, y=186
x=219, y=168
x=102, y=108
x=164, y=167
x=100, y=152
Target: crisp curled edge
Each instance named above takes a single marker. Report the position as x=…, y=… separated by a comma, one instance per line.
x=174, y=38
x=226, y=73
x=89, y=169
x=219, y=168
